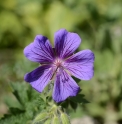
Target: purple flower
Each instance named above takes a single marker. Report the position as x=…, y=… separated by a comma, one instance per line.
x=59, y=63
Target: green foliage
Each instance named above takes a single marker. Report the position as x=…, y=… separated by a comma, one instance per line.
x=73, y=102
x=26, y=105
x=98, y=22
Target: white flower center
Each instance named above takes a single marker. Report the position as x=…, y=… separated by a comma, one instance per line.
x=58, y=62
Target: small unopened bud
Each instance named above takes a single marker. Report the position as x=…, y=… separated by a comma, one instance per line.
x=54, y=108
x=55, y=120
x=40, y=117
x=48, y=121
x=64, y=118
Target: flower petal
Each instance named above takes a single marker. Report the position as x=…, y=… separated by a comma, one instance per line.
x=81, y=64
x=66, y=43
x=40, y=50
x=39, y=77
x=64, y=86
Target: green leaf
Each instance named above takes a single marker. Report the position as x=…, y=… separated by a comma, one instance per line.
x=74, y=105
x=79, y=99
x=16, y=111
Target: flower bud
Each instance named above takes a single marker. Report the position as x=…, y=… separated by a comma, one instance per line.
x=64, y=118
x=55, y=120
x=48, y=121
x=41, y=117
x=54, y=108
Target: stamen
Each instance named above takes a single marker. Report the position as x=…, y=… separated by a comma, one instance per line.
x=57, y=64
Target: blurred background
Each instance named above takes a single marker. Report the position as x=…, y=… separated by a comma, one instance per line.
x=99, y=24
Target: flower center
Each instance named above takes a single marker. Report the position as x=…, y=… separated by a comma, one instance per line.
x=58, y=62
